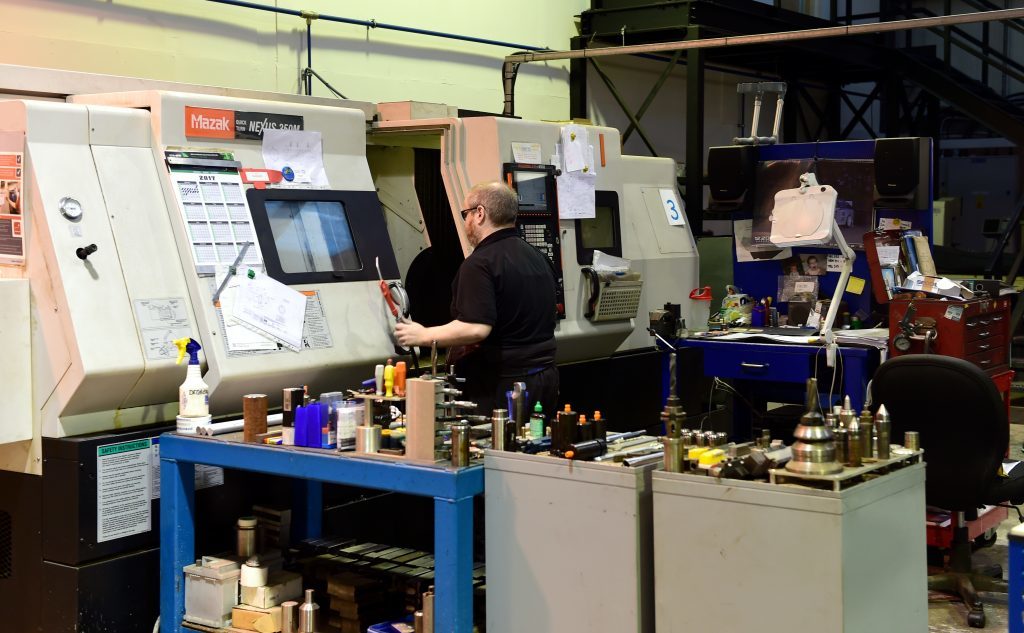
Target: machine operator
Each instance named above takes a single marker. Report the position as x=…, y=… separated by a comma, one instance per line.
x=503, y=308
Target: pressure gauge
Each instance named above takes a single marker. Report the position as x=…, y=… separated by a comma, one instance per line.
x=901, y=342
x=70, y=209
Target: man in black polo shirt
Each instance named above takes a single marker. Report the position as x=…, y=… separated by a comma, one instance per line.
x=503, y=308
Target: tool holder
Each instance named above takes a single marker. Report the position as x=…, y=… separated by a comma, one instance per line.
x=759, y=89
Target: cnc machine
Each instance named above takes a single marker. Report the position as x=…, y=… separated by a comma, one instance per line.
x=133, y=208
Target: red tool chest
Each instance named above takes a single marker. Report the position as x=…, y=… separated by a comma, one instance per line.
x=976, y=330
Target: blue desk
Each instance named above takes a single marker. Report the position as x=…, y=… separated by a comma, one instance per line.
x=777, y=372
x=452, y=490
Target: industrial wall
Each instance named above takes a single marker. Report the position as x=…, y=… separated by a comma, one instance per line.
x=203, y=42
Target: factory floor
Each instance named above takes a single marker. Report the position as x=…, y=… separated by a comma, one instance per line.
x=951, y=617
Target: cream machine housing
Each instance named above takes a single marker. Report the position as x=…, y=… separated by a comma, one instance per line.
x=637, y=212
x=133, y=209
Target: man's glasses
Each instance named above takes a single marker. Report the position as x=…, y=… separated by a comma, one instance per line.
x=466, y=212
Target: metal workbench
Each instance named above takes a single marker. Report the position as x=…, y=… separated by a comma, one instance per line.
x=452, y=489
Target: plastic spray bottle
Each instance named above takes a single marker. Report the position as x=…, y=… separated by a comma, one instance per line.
x=193, y=394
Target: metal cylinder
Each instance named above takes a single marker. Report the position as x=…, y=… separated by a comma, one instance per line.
x=428, y=610
x=883, y=428
x=289, y=617
x=673, y=454
x=912, y=440
x=368, y=439
x=853, y=453
x=246, y=535
x=766, y=438
x=254, y=416
x=308, y=614
x=499, y=429
x=460, y=444
x=417, y=622
x=866, y=439
x=840, y=441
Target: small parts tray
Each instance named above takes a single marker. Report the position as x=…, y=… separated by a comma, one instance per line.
x=871, y=469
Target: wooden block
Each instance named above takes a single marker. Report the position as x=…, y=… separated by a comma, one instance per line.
x=260, y=620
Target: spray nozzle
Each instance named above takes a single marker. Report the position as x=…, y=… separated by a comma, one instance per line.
x=188, y=346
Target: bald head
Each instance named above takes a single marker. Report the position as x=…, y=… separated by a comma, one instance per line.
x=500, y=202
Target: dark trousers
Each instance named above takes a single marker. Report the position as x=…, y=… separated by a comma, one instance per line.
x=488, y=390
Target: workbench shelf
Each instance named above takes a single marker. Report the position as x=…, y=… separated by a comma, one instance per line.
x=453, y=491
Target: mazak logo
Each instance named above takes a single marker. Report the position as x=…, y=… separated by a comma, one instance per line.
x=209, y=122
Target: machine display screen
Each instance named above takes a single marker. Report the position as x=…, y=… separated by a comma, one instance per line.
x=598, y=232
x=312, y=236
x=601, y=232
x=532, y=189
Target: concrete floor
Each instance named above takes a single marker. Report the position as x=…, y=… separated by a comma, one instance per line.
x=949, y=617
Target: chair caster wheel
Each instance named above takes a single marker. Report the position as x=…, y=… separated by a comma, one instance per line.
x=976, y=618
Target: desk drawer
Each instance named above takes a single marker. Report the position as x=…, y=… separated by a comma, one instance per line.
x=989, y=359
x=759, y=365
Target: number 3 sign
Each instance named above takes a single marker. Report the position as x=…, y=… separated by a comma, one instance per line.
x=675, y=211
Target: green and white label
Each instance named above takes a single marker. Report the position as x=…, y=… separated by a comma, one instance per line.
x=122, y=490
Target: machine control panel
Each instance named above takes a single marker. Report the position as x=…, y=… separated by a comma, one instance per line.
x=537, y=219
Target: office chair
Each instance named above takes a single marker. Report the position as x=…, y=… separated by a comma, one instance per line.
x=965, y=433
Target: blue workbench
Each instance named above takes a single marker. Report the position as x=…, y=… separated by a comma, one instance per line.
x=452, y=489
x=778, y=372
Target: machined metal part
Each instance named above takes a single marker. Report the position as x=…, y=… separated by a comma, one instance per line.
x=912, y=440
x=309, y=612
x=642, y=460
x=814, y=451
x=499, y=429
x=883, y=428
x=428, y=610
x=246, y=537
x=289, y=617
x=840, y=444
x=866, y=434
x=853, y=445
x=368, y=439
x=460, y=444
x=673, y=453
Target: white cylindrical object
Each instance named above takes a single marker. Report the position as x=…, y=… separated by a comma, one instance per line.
x=192, y=426
x=254, y=574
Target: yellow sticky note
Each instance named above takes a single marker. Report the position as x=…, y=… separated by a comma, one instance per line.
x=855, y=285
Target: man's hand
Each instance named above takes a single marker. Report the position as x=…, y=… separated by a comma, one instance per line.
x=411, y=334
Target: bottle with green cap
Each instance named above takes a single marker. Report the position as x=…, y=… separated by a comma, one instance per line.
x=537, y=422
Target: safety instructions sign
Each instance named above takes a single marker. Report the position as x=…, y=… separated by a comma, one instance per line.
x=122, y=490
x=12, y=224
x=212, y=203
x=128, y=480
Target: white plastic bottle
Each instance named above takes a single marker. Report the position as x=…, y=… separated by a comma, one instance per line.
x=193, y=394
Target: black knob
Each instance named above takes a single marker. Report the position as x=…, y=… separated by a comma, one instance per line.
x=83, y=252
